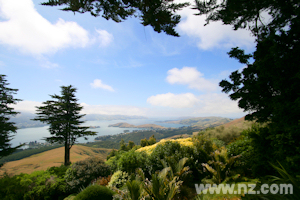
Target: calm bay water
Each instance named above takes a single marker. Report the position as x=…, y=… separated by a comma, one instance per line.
x=37, y=134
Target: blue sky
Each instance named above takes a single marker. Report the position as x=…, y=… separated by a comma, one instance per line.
x=118, y=68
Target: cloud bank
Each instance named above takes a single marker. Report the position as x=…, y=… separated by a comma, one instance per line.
x=23, y=28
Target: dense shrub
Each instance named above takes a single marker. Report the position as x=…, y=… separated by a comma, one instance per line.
x=172, y=152
x=94, y=192
x=227, y=135
x=128, y=161
x=150, y=141
x=242, y=147
x=58, y=171
x=131, y=160
x=118, y=179
x=262, y=152
x=81, y=173
x=112, y=154
x=11, y=188
x=218, y=143
x=37, y=185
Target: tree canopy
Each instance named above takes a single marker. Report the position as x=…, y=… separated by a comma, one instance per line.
x=268, y=87
x=259, y=16
x=62, y=114
x=160, y=14
x=7, y=128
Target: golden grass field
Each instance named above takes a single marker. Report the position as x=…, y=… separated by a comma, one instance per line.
x=54, y=157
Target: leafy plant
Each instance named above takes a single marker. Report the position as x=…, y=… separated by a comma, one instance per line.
x=82, y=173
x=285, y=178
x=162, y=185
x=242, y=146
x=172, y=152
x=95, y=192
x=219, y=166
x=118, y=179
x=11, y=188
x=37, y=185
x=134, y=189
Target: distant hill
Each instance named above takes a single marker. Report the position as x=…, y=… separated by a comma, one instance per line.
x=126, y=125
x=200, y=122
x=122, y=125
x=239, y=123
x=96, y=117
x=52, y=158
x=23, y=120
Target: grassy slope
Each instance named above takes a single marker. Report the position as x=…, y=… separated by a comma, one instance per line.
x=202, y=122
x=51, y=158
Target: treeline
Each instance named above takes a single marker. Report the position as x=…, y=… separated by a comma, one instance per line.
x=113, y=141
x=20, y=154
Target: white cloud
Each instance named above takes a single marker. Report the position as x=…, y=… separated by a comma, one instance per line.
x=104, y=37
x=212, y=104
x=23, y=28
x=113, y=110
x=216, y=104
x=215, y=34
x=173, y=100
x=192, y=77
x=26, y=106
x=98, y=84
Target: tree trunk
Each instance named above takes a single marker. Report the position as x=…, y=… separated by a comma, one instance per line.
x=67, y=154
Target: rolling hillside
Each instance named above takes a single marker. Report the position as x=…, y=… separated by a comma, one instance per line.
x=200, y=122
x=126, y=125
x=239, y=123
x=51, y=158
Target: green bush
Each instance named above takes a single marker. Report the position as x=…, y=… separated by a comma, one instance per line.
x=172, y=152
x=244, y=148
x=38, y=185
x=132, y=160
x=118, y=179
x=58, y=171
x=95, y=192
x=227, y=135
x=11, y=188
x=82, y=173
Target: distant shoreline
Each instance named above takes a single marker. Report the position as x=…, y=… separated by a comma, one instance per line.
x=126, y=125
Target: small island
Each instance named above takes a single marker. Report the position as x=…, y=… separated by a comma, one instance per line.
x=126, y=125
x=92, y=127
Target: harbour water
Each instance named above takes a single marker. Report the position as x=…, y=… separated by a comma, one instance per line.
x=27, y=135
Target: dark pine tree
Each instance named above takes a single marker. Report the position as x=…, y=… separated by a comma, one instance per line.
x=62, y=114
x=7, y=129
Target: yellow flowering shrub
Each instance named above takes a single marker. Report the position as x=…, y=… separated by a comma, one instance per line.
x=181, y=141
